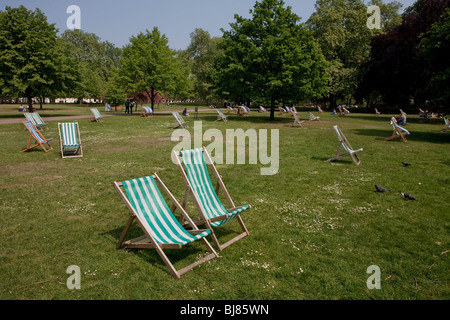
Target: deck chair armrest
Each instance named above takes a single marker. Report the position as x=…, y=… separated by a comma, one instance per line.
x=220, y=218
x=237, y=208
x=198, y=231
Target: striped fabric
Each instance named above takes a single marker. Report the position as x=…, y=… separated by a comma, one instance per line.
x=69, y=135
x=155, y=215
x=222, y=116
x=30, y=117
x=148, y=110
x=344, y=141
x=198, y=176
x=38, y=120
x=33, y=131
x=96, y=113
x=395, y=125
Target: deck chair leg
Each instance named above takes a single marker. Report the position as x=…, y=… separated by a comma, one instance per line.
x=124, y=232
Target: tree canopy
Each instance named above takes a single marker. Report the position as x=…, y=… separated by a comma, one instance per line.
x=269, y=58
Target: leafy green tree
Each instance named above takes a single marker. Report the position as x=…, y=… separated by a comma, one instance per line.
x=435, y=52
x=200, y=58
x=96, y=59
x=271, y=57
x=340, y=27
x=149, y=65
x=32, y=62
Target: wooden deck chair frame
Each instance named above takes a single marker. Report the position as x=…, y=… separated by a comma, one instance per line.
x=221, y=116
x=345, y=149
x=148, y=240
x=37, y=136
x=146, y=112
x=70, y=140
x=313, y=117
x=377, y=112
x=179, y=121
x=96, y=116
x=297, y=121
x=282, y=110
x=235, y=212
x=446, y=125
x=262, y=109
x=399, y=132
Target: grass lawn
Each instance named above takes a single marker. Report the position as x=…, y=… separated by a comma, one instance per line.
x=315, y=227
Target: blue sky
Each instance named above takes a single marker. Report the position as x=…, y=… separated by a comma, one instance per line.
x=116, y=21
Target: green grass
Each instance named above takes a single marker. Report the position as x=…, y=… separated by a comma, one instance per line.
x=315, y=227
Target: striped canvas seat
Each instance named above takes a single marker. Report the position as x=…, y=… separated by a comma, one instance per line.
x=36, y=119
x=399, y=131
x=179, y=121
x=146, y=112
x=161, y=228
x=221, y=115
x=345, y=149
x=199, y=185
x=96, y=116
x=70, y=141
x=446, y=125
x=38, y=137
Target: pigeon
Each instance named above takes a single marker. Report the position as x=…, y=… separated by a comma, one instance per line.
x=381, y=189
x=406, y=164
x=407, y=196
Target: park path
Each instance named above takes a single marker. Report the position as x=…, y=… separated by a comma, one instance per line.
x=63, y=118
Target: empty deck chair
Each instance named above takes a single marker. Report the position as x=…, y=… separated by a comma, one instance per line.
x=96, y=116
x=399, y=132
x=297, y=121
x=161, y=229
x=147, y=112
x=446, y=125
x=221, y=116
x=70, y=140
x=319, y=109
x=345, y=149
x=313, y=117
x=262, y=109
x=199, y=186
x=36, y=119
x=37, y=136
x=282, y=110
x=230, y=109
x=179, y=121
x=377, y=112
x=343, y=111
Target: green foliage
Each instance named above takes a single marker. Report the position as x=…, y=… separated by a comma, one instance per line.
x=32, y=63
x=96, y=62
x=435, y=50
x=340, y=27
x=271, y=58
x=149, y=65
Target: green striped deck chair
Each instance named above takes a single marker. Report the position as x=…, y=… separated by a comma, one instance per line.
x=36, y=119
x=297, y=121
x=446, y=125
x=37, y=136
x=221, y=115
x=313, y=117
x=345, y=149
x=199, y=186
x=161, y=228
x=399, y=132
x=179, y=121
x=70, y=140
x=96, y=116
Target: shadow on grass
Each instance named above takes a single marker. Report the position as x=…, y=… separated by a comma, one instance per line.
x=433, y=137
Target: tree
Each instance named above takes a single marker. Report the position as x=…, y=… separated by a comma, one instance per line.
x=395, y=70
x=271, y=57
x=97, y=61
x=340, y=26
x=31, y=59
x=149, y=65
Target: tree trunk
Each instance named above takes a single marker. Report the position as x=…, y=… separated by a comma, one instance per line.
x=28, y=93
x=272, y=109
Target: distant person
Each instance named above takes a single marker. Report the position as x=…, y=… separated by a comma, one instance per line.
x=185, y=113
x=402, y=120
x=127, y=106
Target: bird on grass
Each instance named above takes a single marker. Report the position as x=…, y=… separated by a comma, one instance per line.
x=381, y=189
x=406, y=164
x=407, y=196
